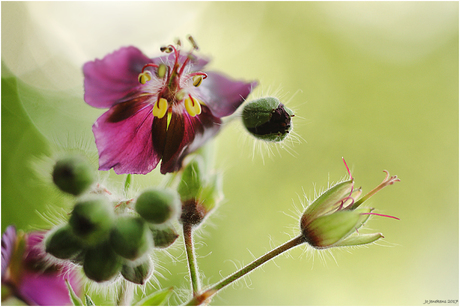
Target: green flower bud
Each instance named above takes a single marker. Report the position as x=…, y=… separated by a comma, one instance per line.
x=62, y=243
x=101, y=263
x=92, y=219
x=73, y=174
x=267, y=119
x=192, y=180
x=200, y=192
x=138, y=274
x=131, y=237
x=157, y=206
x=163, y=237
x=333, y=219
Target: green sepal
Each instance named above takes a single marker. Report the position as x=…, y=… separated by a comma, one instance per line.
x=138, y=273
x=163, y=236
x=211, y=194
x=158, y=298
x=327, y=230
x=328, y=201
x=192, y=180
x=76, y=301
x=259, y=111
x=361, y=221
x=360, y=239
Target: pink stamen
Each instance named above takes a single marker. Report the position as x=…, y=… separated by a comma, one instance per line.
x=351, y=177
x=183, y=66
x=193, y=101
x=348, y=170
x=149, y=65
x=126, y=202
x=384, y=215
x=189, y=55
x=343, y=201
x=198, y=73
x=176, y=54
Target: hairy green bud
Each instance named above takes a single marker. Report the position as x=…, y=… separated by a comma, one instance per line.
x=157, y=206
x=62, y=243
x=101, y=263
x=92, y=219
x=131, y=237
x=73, y=175
x=192, y=180
x=267, y=119
x=138, y=274
x=200, y=192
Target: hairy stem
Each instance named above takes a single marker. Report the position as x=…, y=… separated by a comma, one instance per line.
x=125, y=293
x=197, y=300
x=191, y=260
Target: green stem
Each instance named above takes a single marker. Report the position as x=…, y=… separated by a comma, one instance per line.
x=192, y=264
x=125, y=293
x=197, y=300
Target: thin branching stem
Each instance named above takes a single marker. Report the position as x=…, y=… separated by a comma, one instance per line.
x=191, y=259
x=199, y=299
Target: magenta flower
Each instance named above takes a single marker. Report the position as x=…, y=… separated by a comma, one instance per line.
x=28, y=276
x=160, y=109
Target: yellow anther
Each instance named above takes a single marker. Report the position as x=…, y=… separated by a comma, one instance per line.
x=166, y=49
x=144, y=77
x=161, y=72
x=197, y=80
x=192, y=106
x=160, y=108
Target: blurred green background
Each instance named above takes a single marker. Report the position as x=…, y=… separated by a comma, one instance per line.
x=374, y=82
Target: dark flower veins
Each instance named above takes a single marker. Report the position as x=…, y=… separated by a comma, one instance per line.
x=159, y=109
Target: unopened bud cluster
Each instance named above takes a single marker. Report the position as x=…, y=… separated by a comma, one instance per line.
x=109, y=242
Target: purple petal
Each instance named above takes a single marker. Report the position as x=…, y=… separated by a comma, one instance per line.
x=185, y=135
x=41, y=283
x=8, y=245
x=223, y=95
x=111, y=79
x=35, y=251
x=47, y=289
x=125, y=144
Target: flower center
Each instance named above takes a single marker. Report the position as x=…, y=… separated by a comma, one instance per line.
x=176, y=83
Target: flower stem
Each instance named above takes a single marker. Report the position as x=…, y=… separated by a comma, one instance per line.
x=197, y=300
x=125, y=293
x=192, y=264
